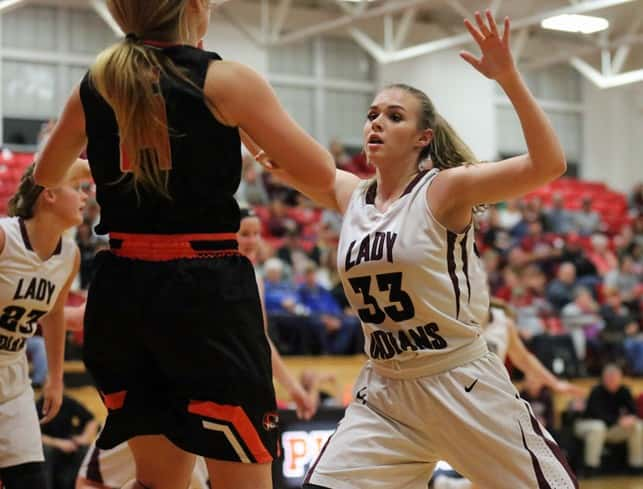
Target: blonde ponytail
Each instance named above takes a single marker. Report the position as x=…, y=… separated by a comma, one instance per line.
x=127, y=75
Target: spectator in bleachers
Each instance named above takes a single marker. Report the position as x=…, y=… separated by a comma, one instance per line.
x=636, y=199
x=586, y=221
x=66, y=439
x=610, y=416
x=637, y=228
x=540, y=247
x=511, y=214
x=627, y=281
x=493, y=234
x=332, y=221
x=573, y=252
x=560, y=291
x=528, y=299
x=582, y=321
x=279, y=224
x=293, y=254
x=559, y=219
x=531, y=212
x=341, y=157
x=252, y=190
x=601, y=256
x=340, y=334
x=621, y=332
x=280, y=294
x=491, y=262
x=289, y=323
x=510, y=281
x=628, y=243
x=517, y=257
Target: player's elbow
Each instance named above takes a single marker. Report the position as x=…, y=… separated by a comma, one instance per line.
x=559, y=167
x=327, y=183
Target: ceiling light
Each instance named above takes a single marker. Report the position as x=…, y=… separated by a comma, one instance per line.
x=584, y=24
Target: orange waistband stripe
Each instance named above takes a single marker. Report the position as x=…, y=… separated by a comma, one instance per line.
x=164, y=247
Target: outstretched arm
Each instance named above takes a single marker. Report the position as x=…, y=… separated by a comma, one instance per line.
x=464, y=187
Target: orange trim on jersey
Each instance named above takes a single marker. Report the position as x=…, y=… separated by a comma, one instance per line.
x=238, y=417
x=115, y=400
x=164, y=247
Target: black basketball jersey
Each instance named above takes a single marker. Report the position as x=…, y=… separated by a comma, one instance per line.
x=206, y=159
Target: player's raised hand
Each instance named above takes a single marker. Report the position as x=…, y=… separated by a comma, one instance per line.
x=496, y=60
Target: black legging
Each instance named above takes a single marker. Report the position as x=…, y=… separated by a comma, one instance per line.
x=31, y=475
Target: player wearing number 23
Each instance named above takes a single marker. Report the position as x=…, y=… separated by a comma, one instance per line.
x=37, y=266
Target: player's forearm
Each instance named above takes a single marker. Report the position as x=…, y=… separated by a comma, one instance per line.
x=545, y=151
x=53, y=330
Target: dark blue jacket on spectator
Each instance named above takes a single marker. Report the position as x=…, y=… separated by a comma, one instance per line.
x=276, y=293
x=318, y=300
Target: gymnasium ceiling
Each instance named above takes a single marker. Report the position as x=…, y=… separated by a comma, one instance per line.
x=395, y=30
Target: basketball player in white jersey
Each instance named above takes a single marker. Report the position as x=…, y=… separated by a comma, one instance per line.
x=37, y=267
x=431, y=390
x=503, y=339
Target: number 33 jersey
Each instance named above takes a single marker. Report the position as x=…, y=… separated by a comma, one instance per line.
x=419, y=289
x=29, y=286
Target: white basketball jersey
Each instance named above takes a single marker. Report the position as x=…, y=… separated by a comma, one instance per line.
x=29, y=286
x=496, y=333
x=418, y=288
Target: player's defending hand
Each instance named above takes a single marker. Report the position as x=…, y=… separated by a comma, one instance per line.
x=564, y=387
x=496, y=61
x=52, y=393
x=306, y=402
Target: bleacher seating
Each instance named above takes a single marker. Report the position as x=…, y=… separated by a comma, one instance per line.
x=609, y=204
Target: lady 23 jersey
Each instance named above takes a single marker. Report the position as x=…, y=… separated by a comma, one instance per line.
x=29, y=286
